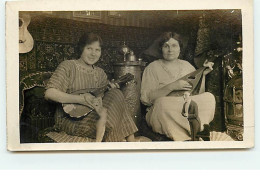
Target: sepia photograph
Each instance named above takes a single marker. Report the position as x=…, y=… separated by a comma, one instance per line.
x=112, y=79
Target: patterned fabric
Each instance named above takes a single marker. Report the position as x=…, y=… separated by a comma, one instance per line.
x=189, y=52
x=203, y=37
x=35, y=112
x=69, y=77
x=164, y=116
x=37, y=79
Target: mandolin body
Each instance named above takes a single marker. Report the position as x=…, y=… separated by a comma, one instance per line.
x=194, y=78
x=79, y=111
x=76, y=110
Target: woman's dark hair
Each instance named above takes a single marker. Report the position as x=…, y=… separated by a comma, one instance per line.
x=86, y=39
x=165, y=37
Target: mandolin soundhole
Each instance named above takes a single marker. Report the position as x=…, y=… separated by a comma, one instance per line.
x=191, y=77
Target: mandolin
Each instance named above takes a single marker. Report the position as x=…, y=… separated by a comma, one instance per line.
x=195, y=78
x=79, y=110
x=25, y=38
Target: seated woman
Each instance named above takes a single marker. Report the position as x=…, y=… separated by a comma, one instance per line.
x=160, y=78
x=110, y=121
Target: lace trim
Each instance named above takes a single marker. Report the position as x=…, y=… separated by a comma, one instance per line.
x=83, y=69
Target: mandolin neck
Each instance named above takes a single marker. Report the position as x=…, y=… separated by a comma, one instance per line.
x=95, y=92
x=99, y=91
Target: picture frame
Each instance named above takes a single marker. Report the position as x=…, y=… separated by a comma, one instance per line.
x=115, y=14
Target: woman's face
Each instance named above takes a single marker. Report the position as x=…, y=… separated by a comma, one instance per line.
x=171, y=50
x=91, y=53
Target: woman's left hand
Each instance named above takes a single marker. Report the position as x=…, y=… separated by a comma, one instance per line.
x=207, y=71
x=209, y=68
x=97, y=102
x=113, y=84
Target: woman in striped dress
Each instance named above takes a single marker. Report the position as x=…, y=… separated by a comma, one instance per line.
x=110, y=122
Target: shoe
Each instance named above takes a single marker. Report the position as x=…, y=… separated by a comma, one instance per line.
x=143, y=139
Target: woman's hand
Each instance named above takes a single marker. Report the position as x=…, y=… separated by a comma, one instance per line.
x=207, y=71
x=96, y=103
x=112, y=84
x=181, y=85
x=166, y=90
x=102, y=112
x=93, y=102
x=209, y=68
x=98, y=106
x=87, y=99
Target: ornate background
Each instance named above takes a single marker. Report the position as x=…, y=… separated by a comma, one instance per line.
x=56, y=35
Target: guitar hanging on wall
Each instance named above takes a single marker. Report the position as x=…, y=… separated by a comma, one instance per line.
x=25, y=38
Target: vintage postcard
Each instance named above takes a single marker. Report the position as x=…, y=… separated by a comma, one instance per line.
x=129, y=75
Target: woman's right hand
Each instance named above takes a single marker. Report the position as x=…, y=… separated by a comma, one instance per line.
x=166, y=90
x=180, y=85
x=87, y=99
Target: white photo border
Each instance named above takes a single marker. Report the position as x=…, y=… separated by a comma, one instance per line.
x=12, y=70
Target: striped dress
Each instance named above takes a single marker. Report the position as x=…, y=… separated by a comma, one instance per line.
x=71, y=76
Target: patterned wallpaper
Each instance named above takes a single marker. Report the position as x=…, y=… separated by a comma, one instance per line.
x=55, y=40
